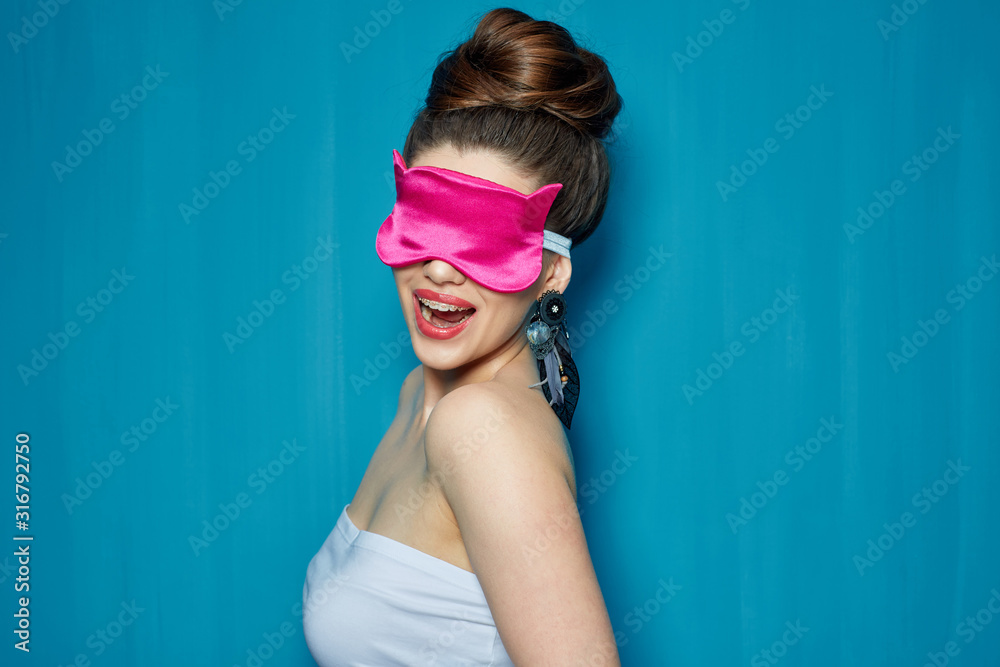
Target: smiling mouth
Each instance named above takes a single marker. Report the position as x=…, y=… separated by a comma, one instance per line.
x=443, y=315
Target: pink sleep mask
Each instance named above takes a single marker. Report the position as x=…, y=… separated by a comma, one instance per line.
x=491, y=233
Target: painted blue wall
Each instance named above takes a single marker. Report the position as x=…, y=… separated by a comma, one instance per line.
x=786, y=324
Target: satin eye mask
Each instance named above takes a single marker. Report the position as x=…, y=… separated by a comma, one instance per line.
x=491, y=233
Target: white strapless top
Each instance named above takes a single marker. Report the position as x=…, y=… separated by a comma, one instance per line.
x=371, y=601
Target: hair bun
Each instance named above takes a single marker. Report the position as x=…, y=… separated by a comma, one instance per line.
x=515, y=61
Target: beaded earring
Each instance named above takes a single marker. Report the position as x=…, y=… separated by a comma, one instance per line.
x=549, y=342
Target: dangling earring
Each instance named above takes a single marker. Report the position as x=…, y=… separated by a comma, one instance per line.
x=549, y=342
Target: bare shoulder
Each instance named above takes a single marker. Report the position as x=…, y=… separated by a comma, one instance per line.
x=496, y=421
x=497, y=453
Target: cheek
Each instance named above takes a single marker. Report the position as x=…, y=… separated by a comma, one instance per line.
x=508, y=316
x=401, y=278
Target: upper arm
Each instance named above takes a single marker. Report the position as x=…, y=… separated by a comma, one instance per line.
x=502, y=475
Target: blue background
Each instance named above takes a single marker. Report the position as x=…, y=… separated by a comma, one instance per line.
x=699, y=445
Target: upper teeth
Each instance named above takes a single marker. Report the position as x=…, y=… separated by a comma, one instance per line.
x=439, y=306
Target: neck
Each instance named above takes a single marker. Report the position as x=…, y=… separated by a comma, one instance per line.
x=513, y=359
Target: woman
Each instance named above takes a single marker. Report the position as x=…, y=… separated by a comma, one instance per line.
x=463, y=544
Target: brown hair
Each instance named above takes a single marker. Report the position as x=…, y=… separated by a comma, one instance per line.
x=523, y=89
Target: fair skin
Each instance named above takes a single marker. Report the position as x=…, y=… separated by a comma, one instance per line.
x=476, y=470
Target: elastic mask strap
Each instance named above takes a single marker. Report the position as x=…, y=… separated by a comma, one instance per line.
x=556, y=243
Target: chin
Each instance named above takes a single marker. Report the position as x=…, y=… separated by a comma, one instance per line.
x=438, y=354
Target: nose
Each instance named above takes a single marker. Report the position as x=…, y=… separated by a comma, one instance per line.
x=441, y=271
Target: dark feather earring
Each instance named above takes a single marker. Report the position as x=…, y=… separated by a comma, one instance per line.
x=549, y=342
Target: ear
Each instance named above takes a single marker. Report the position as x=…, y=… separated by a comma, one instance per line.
x=559, y=271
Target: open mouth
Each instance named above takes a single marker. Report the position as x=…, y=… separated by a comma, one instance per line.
x=443, y=315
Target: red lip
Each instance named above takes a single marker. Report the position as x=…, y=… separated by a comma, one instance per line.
x=428, y=329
